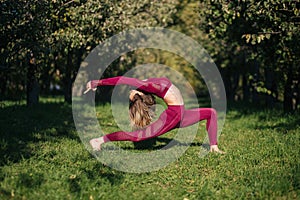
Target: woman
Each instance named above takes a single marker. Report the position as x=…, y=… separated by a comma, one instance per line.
x=141, y=111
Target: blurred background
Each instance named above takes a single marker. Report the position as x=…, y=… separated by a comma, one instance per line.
x=255, y=44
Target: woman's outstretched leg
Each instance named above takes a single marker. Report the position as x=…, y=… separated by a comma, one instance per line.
x=167, y=121
x=193, y=116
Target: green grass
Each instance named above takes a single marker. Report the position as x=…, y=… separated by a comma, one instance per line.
x=42, y=157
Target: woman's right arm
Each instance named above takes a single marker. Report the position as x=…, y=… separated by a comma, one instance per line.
x=146, y=85
x=118, y=80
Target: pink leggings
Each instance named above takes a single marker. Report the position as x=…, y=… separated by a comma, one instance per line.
x=175, y=116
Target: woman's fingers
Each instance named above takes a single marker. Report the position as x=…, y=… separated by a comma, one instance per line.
x=87, y=90
x=89, y=87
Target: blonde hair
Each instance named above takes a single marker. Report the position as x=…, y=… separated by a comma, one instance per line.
x=141, y=110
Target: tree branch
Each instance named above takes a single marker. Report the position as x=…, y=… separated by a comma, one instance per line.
x=67, y=3
x=272, y=33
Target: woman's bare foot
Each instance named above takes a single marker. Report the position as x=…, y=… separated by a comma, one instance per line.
x=96, y=143
x=214, y=148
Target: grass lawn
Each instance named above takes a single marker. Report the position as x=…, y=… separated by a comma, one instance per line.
x=42, y=157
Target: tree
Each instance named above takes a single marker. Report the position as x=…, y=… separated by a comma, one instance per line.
x=267, y=33
x=83, y=25
x=53, y=37
x=23, y=34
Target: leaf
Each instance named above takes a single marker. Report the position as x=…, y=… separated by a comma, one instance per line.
x=247, y=36
x=259, y=39
x=254, y=39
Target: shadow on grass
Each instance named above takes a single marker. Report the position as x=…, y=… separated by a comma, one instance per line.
x=21, y=126
x=163, y=143
x=267, y=118
x=30, y=181
x=97, y=175
x=106, y=174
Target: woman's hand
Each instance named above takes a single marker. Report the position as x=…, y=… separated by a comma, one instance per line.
x=89, y=87
x=214, y=148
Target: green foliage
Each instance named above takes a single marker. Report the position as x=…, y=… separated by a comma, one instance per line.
x=266, y=32
x=87, y=23
x=61, y=33
x=237, y=34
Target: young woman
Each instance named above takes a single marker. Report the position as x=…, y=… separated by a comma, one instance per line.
x=141, y=111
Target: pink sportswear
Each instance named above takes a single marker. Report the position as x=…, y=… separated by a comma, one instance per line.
x=175, y=116
x=157, y=86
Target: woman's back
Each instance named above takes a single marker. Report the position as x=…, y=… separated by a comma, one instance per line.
x=173, y=96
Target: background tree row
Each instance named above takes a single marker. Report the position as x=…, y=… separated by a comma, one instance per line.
x=254, y=44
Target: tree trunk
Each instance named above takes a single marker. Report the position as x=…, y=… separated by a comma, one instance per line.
x=32, y=82
x=297, y=92
x=226, y=74
x=269, y=79
x=246, y=89
x=288, y=93
x=245, y=81
x=68, y=79
x=3, y=86
x=235, y=85
x=255, y=74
